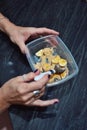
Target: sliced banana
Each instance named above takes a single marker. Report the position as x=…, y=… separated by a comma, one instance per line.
x=39, y=53
x=59, y=69
x=51, y=60
x=39, y=67
x=46, y=66
x=47, y=51
x=56, y=59
x=54, y=78
x=62, y=62
x=64, y=74
x=43, y=59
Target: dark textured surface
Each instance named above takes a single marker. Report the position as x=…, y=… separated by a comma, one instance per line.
x=69, y=17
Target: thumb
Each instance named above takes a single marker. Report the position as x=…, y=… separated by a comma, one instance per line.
x=23, y=47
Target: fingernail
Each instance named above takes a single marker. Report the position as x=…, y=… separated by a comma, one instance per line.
x=35, y=70
x=49, y=76
x=56, y=102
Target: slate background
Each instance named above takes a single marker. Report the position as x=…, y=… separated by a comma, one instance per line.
x=69, y=17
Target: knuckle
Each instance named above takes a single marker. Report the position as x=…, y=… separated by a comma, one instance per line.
x=43, y=83
x=40, y=86
x=31, y=74
x=23, y=99
x=44, y=28
x=20, y=90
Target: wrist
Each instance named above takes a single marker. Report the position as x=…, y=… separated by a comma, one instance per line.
x=3, y=103
x=6, y=26
x=3, y=23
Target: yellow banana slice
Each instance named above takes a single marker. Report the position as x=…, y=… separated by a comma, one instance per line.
x=46, y=66
x=39, y=67
x=56, y=59
x=54, y=78
x=47, y=51
x=39, y=53
x=64, y=74
x=62, y=62
x=50, y=61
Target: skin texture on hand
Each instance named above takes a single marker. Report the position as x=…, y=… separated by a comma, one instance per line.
x=20, y=91
x=19, y=35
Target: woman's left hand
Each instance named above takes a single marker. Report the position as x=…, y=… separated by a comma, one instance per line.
x=19, y=35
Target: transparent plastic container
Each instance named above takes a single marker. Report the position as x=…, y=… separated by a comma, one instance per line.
x=62, y=50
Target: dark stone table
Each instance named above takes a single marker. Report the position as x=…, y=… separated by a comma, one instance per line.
x=69, y=17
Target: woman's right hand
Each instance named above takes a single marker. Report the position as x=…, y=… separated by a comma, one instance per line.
x=20, y=90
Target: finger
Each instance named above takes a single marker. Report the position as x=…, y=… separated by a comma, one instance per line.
x=28, y=77
x=31, y=101
x=42, y=91
x=45, y=31
x=22, y=46
x=37, y=72
x=36, y=32
x=27, y=88
x=41, y=103
x=37, y=85
x=26, y=103
x=25, y=97
x=31, y=86
x=39, y=96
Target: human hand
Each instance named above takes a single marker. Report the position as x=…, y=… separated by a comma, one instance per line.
x=20, y=90
x=19, y=35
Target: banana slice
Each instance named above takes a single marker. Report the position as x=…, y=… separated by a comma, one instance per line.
x=39, y=53
x=65, y=73
x=39, y=67
x=59, y=69
x=49, y=59
x=62, y=62
x=43, y=59
x=56, y=59
x=52, y=67
x=47, y=51
x=54, y=78
x=46, y=66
